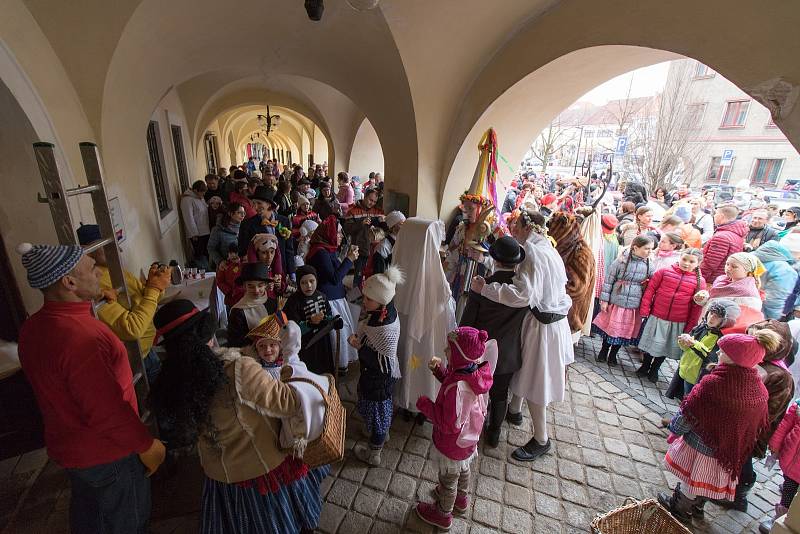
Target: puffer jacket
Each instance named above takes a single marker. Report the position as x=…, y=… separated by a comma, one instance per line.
x=728, y=239
x=669, y=296
x=625, y=283
x=220, y=239
x=778, y=280
x=786, y=442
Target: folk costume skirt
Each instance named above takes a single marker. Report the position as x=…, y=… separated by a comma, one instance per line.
x=619, y=326
x=284, y=501
x=660, y=338
x=699, y=474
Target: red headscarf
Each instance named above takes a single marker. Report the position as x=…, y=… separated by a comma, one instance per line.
x=728, y=411
x=324, y=237
x=275, y=268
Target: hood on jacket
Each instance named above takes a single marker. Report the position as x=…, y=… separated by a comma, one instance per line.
x=738, y=227
x=773, y=251
x=480, y=380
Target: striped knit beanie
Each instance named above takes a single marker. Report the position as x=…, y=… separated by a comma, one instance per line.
x=46, y=264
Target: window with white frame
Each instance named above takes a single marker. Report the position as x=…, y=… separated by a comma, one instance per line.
x=718, y=174
x=702, y=71
x=735, y=114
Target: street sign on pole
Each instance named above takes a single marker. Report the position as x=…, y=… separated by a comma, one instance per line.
x=622, y=145
x=727, y=158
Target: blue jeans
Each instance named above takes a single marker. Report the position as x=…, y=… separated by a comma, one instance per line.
x=111, y=498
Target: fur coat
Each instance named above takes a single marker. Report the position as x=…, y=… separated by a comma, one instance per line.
x=579, y=263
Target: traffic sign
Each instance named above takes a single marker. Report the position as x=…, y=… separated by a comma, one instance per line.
x=622, y=145
x=727, y=158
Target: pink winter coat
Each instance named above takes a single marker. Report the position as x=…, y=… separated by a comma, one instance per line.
x=786, y=441
x=459, y=411
x=727, y=239
x=669, y=296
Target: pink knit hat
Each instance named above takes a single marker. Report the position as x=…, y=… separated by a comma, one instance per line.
x=467, y=346
x=743, y=349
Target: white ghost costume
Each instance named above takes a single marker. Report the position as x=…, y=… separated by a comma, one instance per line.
x=425, y=307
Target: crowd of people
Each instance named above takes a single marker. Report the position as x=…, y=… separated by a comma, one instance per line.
x=316, y=277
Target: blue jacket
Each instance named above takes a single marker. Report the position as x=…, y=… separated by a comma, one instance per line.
x=330, y=273
x=779, y=279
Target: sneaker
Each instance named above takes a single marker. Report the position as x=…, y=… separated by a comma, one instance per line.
x=514, y=418
x=531, y=451
x=431, y=514
x=368, y=455
x=461, y=503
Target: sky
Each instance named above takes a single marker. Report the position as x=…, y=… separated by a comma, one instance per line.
x=647, y=81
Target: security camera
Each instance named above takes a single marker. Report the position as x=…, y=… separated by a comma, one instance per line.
x=314, y=8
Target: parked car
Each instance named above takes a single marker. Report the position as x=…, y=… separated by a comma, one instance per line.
x=782, y=198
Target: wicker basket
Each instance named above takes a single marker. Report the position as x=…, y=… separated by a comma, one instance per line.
x=329, y=446
x=638, y=517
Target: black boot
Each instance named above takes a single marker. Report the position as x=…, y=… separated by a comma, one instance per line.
x=698, y=508
x=497, y=412
x=645, y=367
x=739, y=501
x=612, y=355
x=601, y=357
x=677, y=504
x=652, y=374
x=530, y=451
x=514, y=418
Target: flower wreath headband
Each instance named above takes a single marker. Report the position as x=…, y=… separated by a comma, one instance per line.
x=527, y=222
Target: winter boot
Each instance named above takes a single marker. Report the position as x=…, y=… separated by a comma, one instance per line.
x=677, y=504
x=431, y=514
x=652, y=374
x=644, y=369
x=461, y=503
x=368, y=454
x=739, y=501
x=698, y=508
x=612, y=356
x=497, y=412
x=603, y=355
x=766, y=526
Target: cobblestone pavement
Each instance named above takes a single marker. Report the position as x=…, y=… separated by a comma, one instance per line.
x=607, y=445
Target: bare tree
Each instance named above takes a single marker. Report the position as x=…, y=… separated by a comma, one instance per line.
x=551, y=141
x=665, y=143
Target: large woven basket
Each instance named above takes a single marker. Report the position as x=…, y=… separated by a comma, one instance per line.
x=329, y=446
x=638, y=517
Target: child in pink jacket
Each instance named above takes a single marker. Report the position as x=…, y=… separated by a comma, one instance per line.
x=457, y=416
x=785, y=444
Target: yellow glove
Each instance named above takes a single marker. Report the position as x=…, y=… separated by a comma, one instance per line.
x=153, y=457
x=159, y=277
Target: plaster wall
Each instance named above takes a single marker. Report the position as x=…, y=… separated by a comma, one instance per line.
x=367, y=153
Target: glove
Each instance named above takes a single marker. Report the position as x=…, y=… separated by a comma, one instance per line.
x=338, y=323
x=153, y=457
x=159, y=277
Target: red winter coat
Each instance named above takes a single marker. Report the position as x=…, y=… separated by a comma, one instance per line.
x=669, y=296
x=727, y=239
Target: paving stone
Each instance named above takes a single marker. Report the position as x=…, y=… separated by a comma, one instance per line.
x=402, y=486
x=487, y=512
x=576, y=493
x=547, y=505
x=354, y=471
x=642, y=454
x=411, y=464
x=546, y=484
x=342, y=493
x=567, y=435
x=605, y=405
x=389, y=458
x=378, y=478
x=493, y=468
x=520, y=476
x=479, y=529
x=518, y=497
x=598, y=478
x=425, y=491
x=627, y=487
x=608, y=418
x=577, y=516
x=418, y=446
x=430, y=471
x=595, y=458
x=393, y=510
x=381, y=527
x=331, y=517
x=367, y=501
x=571, y=471
x=650, y=474
x=490, y=488
x=569, y=452
x=589, y=440
x=517, y=521
x=546, y=525
x=355, y=522
x=615, y=446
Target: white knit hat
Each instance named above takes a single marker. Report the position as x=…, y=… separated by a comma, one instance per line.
x=381, y=287
x=394, y=217
x=46, y=264
x=308, y=227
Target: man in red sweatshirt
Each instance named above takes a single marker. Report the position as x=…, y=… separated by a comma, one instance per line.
x=80, y=375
